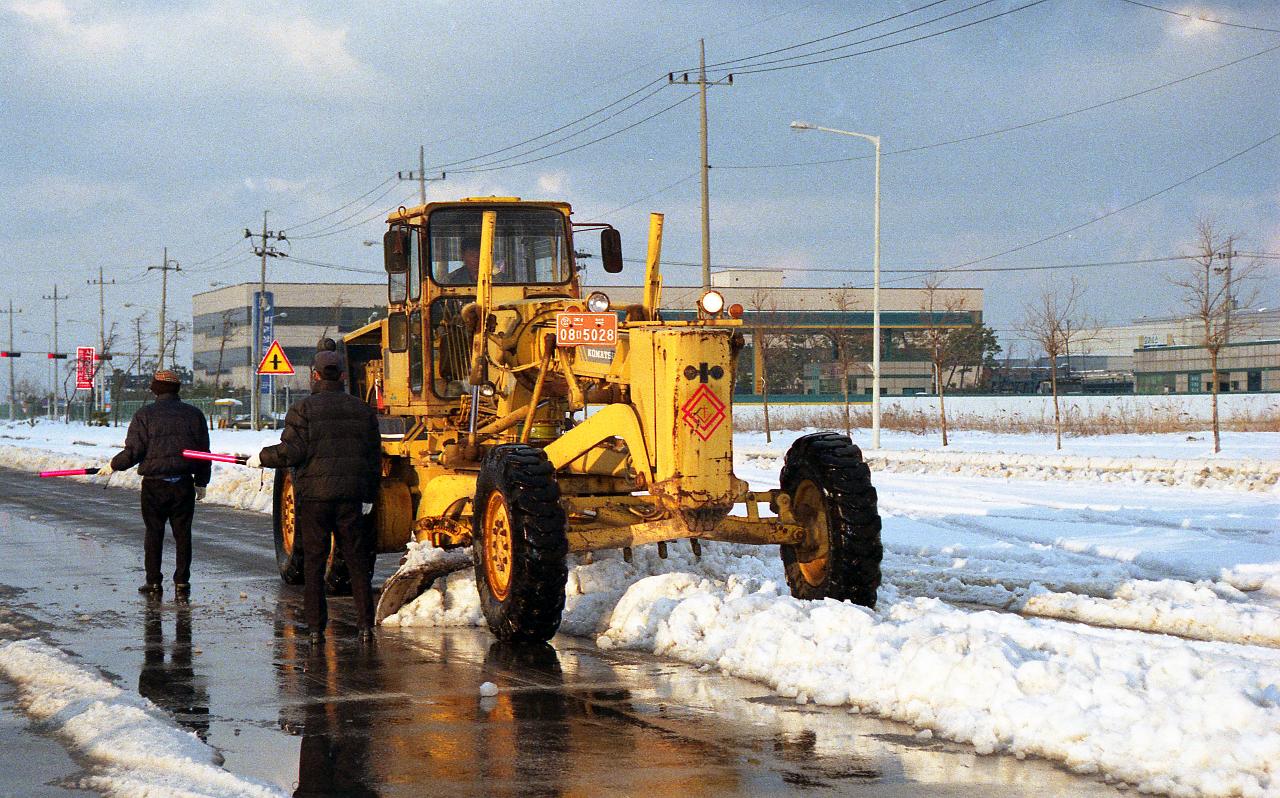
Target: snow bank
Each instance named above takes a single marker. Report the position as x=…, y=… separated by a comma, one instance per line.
x=1232, y=474
x=1164, y=714
x=133, y=750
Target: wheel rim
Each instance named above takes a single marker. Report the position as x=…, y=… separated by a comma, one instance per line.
x=288, y=514
x=813, y=556
x=497, y=546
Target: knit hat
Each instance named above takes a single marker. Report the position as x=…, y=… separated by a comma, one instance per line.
x=165, y=375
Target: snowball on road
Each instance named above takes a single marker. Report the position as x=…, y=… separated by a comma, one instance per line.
x=1114, y=608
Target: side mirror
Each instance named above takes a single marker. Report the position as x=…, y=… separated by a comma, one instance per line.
x=395, y=250
x=611, y=250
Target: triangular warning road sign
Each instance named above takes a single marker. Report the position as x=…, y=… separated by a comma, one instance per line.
x=275, y=361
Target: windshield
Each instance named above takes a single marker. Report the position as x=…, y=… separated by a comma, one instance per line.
x=529, y=246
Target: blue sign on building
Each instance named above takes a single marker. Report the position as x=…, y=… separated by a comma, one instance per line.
x=265, y=381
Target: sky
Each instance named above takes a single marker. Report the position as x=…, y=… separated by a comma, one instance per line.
x=131, y=127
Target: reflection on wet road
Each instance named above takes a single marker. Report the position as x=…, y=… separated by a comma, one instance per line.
x=405, y=717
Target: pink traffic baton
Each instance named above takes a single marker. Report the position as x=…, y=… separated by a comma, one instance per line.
x=69, y=472
x=216, y=457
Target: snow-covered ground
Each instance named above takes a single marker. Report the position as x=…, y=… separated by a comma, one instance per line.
x=132, y=746
x=1114, y=608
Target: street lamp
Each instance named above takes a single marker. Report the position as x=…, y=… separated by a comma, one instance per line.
x=875, y=285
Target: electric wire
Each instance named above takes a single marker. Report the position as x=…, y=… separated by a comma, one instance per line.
x=1011, y=128
x=334, y=266
x=1200, y=19
x=342, y=207
x=1111, y=213
x=664, y=189
x=329, y=229
x=880, y=21
x=944, y=31
x=378, y=215
x=635, y=124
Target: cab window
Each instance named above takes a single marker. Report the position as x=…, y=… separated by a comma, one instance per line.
x=415, y=352
x=415, y=264
x=530, y=246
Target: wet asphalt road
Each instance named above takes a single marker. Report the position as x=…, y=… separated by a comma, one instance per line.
x=405, y=717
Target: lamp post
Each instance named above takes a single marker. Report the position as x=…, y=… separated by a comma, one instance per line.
x=875, y=285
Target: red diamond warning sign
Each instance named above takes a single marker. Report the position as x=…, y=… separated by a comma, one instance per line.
x=274, y=361
x=703, y=412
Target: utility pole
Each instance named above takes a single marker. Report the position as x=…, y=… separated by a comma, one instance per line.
x=420, y=175
x=103, y=354
x=165, y=267
x=702, y=83
x=256, y=347
x=54, y=354
x=11, y=311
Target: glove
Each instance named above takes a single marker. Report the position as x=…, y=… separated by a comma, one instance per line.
x=254, y=461
x=106, y=470
x=200, y=490
x=366, y=508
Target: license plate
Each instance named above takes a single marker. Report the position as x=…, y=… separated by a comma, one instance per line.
x=576, y=329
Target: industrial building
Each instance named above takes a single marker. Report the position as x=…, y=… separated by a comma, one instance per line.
x=814, y=326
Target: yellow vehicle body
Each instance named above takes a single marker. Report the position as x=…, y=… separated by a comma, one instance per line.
x=466, y=370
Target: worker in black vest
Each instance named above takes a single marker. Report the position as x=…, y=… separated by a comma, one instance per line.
x=331, y=441
x=171, y=484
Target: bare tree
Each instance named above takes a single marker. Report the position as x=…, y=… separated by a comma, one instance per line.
x=847, y=355
x=1053, y=322
x=1210, y=290
x=761, y=300
x=225, y=335
x=335, y=318
x=940, y=340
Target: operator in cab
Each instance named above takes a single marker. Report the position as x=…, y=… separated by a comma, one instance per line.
x=331, y=440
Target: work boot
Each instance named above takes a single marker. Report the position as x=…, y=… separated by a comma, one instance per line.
x=182, y=591
x=151, y=588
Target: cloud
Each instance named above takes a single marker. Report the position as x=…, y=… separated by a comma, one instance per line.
x=553, y=184
x=219, y=49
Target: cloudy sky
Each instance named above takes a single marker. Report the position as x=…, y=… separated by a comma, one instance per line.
x=129, y=127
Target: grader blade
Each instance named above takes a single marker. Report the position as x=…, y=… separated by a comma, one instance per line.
x=415, y=577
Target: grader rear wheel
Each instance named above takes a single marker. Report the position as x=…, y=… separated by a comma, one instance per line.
x=289, y=554
x=833, y=498
x=288, y=544
x=520, y=547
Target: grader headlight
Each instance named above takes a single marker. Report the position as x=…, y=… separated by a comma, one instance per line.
x=598, y=302
x=711, y=303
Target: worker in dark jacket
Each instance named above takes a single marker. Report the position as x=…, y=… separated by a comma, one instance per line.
x=331, y=441
x=171, y=484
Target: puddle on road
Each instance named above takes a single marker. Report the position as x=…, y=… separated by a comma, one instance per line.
x=406, y=717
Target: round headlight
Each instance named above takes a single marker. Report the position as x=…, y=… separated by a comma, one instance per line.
x=711, y=302
x=598, y=302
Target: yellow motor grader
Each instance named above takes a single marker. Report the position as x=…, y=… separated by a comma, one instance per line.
x=529, y=422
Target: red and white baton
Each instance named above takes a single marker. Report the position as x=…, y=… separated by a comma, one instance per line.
x=69, y=472
x=215, y=457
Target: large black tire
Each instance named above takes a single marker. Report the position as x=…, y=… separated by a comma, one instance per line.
x=832, y=496
x=289, y=554
x=288, y=544
x=519, y=544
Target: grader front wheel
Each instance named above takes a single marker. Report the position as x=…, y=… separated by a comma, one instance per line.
x=833, y=498
x=520, y=548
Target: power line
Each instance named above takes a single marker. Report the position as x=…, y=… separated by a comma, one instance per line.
x=379, y=214
x=877, y=37
x=880, y=21
x=335, y=266
x=1200, y=19
x=662, y=190
x=342, y=207
x=1108, y=214
x=892, y=44
x=635, y=124
x=329, y=229
x=1010, y=128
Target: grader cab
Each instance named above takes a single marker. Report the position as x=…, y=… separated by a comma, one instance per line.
x=530, y=423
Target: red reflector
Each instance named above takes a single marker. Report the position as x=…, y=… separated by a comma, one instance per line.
x=735, y=311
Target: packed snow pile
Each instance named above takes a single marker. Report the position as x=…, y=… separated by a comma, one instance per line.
x=1235, y=474
x=132, y=748
x=1161, y=713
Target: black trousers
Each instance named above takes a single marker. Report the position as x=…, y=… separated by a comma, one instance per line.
x=173, y=503
x=317, y=520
